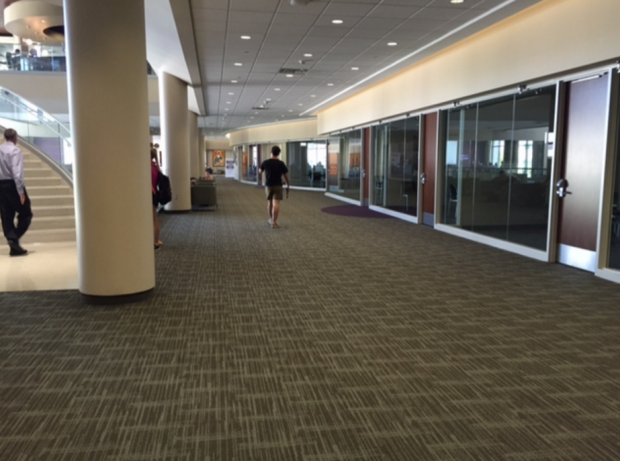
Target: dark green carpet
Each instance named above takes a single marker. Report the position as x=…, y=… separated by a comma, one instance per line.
x=332, y=338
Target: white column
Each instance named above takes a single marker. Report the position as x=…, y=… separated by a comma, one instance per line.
x=194, y=152
x=202, y=156
x=174, y=144
x=110, y=128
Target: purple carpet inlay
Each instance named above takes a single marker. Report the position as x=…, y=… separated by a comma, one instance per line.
x=354, y=211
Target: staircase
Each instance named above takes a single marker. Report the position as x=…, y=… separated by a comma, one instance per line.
x=52, y=202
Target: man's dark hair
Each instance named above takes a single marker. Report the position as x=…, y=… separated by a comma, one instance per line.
x=275, y=150
x=10, y=134
x=209, y=170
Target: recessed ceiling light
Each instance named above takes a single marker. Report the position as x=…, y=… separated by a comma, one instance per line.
x=268, y=99
x=337, y=21
x=245, y=37
x=307, y=55
x=300, y=104
x=392, y=44
x=276, y=89
x=456, y=1
x=330, y=84
x=355, y=68
x=227, y=108
x=238, y=64
x=289, y=75
x=233, y=81
x=290, y=110
x=231, y=94
x=313, y=95
x=228, y=102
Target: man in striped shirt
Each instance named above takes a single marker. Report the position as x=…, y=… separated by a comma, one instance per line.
x=13, y=196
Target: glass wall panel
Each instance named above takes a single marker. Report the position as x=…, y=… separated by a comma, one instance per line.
x=498, y=167
x=614, y=235
x=395, y=165
x=530, y=168
x=250, y=164
x=348, y=177
x=307, y=162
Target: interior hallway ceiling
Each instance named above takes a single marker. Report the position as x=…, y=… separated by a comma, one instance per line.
x=252, y=62
x=296, y=58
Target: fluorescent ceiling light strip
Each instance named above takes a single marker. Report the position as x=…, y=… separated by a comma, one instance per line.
x=419, y=50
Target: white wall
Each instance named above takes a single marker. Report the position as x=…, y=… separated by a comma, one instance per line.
x=550, y=38
x=274, y=133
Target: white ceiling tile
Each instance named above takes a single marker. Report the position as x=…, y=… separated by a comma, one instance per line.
x=438, y=13
x=250, y=17
x=381, y=23
x=393, y=11
x=202, y=14
x=326, y=31
x=254, y=5
x=348, y=9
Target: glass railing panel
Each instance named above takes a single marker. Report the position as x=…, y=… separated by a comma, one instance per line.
x=38, y=128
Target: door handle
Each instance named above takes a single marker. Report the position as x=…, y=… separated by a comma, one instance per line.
x=561, y=188
x=423, y=178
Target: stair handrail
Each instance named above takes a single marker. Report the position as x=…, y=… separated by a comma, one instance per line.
x=49, y=121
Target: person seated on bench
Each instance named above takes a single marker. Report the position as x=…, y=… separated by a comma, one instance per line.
x=208, y=176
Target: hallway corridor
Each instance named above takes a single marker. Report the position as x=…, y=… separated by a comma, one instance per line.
x=332, y=338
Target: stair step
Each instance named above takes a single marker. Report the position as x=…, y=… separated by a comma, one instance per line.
x=39, y=173
x=46, y=236
x=47, y=211
x=49, y=181
x=48, y=191
x=52, y=223
x=58, y=200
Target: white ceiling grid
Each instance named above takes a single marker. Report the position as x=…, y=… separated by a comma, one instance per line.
x=281, y=34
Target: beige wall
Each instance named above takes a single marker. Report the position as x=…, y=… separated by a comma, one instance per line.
x=552, y=37
x=277, y=132
x=217, y=144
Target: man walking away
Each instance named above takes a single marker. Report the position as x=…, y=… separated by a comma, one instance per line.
x=274, y=170
x=13, y=196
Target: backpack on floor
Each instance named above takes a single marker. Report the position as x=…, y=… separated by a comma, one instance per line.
x=164, y=191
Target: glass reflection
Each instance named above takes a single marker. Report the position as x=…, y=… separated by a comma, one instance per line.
x=345, y=165
x=249, y=165
x=395, y=165
x=307, y=162
x=614, y=234
x=498, y=167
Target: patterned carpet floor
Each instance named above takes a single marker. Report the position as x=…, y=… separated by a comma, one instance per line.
x=332, y=338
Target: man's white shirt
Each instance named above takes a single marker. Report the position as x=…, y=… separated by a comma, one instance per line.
x=12, y=165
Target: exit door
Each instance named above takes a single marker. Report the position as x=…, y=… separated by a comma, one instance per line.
x=427, y=177
x=579, y=188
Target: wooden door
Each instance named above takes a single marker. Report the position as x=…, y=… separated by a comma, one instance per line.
x=429, y=155
x=582, y=172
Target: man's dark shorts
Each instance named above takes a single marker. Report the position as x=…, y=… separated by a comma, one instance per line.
x=273, y=192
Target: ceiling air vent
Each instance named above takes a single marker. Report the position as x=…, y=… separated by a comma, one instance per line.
x=261, y=107
x=286, y=70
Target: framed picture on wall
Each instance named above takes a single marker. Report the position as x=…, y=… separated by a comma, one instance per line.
x=219, y=158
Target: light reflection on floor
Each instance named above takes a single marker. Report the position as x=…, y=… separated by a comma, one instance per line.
x=48, y=266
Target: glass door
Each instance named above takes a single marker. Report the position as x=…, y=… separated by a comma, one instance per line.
x=395, y=166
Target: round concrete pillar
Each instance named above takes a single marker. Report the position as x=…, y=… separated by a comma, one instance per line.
x=174, y=121
x=106, y=51
x=197, y=169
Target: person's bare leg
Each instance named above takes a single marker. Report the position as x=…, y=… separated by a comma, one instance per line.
x=276, y=211
x=156, y=228
x=270, y=211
